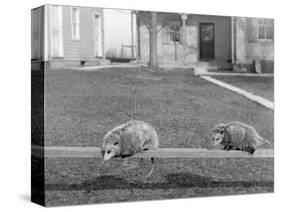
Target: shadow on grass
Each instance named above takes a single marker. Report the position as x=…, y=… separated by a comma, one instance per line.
x=173, y=181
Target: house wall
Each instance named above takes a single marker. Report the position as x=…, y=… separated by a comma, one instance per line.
x=37, y=33
x=82, y=49
x=38, y=53
x=248, y=50
x=188, y=49
x=170, y=53
x=184, y=53
x=75, y=51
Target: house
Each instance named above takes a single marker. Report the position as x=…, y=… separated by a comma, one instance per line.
x=64, y=36
x=236, y=43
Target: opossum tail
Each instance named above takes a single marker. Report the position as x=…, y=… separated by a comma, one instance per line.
x=152, y=168
x=263, y=141
x=268, y=143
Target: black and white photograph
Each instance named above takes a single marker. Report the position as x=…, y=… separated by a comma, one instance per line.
x=136, y=105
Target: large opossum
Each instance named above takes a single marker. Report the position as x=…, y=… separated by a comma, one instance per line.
x=128, y=139
x=238, y=136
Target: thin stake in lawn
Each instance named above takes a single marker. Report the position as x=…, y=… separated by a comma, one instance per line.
x=135, y=97
x=135, y=100
x=127, y=160
x=136, y=91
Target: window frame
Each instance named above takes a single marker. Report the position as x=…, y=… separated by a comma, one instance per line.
x=265, y=25
x=75, y=25
x=172, y=32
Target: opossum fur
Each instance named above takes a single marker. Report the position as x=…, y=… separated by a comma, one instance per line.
x=128, y=139
x=238, y=136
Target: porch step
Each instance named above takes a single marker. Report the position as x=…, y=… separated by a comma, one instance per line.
x=202, y=68
x=220, y=64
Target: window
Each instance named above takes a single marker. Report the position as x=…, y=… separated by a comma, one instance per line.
x=174, y=31
x=265, y=29
x=75, y=23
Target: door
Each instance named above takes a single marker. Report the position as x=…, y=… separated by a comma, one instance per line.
x=97, y=36
x=207, y=51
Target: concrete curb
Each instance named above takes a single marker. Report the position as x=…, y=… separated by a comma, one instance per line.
x=95, y=152
x=262, y=101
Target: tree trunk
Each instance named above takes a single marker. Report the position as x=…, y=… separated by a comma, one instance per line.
x=138, y=38
x=153, y=57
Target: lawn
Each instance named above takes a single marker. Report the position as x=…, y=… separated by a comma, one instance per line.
x=261, y=86
x=85, y=181
x=81, y=106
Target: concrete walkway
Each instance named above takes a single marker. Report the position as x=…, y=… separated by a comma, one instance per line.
x=238, y=74
x=262, y=101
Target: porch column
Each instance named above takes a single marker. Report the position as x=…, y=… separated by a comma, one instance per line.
x=233, y=40
x=102, y=31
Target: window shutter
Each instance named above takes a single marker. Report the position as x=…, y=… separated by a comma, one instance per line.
x=252, y=29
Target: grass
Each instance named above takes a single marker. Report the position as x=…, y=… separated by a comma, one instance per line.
x=81, y=106
x=261, y=86
x=85, y=181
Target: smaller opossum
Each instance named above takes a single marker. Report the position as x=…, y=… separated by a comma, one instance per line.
x=128, y=139
x=238, y=136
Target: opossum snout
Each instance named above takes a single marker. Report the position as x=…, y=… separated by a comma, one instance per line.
x=108, y=155
x=217, y=141
x=106, y=158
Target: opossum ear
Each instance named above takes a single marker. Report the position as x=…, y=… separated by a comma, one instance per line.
x=116, y=137
x=222, y=130
x=219, y=128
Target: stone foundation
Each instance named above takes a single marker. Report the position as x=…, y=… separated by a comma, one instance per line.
x=58, y=64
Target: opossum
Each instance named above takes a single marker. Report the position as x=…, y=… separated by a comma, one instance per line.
x=128, y=139
x=238, y=136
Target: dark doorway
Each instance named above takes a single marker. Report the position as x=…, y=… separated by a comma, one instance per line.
x=207, y=41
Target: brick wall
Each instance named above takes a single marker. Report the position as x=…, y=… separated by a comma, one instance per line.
x=249, y=47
